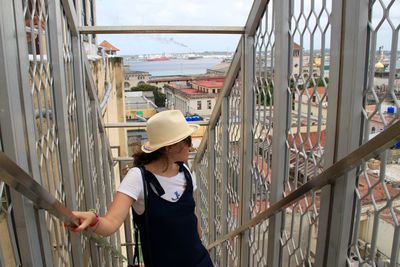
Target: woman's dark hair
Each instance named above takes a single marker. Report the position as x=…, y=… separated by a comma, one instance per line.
x=141, y=158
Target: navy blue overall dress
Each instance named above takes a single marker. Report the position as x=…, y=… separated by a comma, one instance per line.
x=170, y=237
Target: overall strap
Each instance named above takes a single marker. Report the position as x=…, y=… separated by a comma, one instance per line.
x=154, y=183
x=186, y=172
x=146, y=218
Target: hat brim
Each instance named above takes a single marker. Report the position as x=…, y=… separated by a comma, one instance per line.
x=149, y=148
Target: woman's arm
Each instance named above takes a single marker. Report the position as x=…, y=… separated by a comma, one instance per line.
x=113, y=219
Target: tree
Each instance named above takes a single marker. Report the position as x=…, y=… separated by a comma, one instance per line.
x=159, y=98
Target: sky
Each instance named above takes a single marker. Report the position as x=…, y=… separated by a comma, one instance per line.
x=172, y=13
x=212, y=13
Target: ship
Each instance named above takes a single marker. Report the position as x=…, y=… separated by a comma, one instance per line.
x=194, y=57
x=161, y=58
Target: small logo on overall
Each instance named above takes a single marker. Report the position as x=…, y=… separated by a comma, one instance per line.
x=177, y=196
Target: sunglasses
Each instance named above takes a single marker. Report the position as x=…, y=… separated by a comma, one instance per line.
x=188, y=141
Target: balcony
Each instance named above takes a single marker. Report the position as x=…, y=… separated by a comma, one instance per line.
x=284, y=179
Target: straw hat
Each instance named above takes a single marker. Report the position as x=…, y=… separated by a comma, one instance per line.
x=167, y=128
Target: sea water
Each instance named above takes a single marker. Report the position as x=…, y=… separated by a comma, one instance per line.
x=174, y=66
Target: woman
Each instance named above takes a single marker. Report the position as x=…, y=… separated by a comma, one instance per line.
x=169, y=234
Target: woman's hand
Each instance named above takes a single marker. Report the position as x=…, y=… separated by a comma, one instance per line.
x=108, y=224
x=85, y=218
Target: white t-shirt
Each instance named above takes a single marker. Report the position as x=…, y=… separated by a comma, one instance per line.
x=132, y=185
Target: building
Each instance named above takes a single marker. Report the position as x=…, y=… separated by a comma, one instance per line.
x=196, y=97
x=210, y=86
x=313, y=103
x=139, y=105
x=135, y=78
x=108, y=48
x=161, y=82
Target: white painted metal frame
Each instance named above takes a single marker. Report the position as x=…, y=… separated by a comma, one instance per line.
x=17, y=130
x=13, y=135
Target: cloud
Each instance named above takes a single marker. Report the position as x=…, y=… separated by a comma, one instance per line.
x=173, y=13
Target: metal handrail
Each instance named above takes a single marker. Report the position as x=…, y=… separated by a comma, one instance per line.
x=366, y=151
x=143, y=124
x=15, y=177
x=161, y=29
x=230, y=79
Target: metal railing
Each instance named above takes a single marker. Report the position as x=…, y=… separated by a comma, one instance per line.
x=17, y=179
x=270, y=138
x=362, y=154
x=272, y=134
x=52, y=128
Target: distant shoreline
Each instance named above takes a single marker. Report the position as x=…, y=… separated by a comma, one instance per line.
x=174, y=66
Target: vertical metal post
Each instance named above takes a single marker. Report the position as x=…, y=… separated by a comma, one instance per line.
x=13, y=130
x=83, y=134
x=27, y=106
x=99, y=161
x=211, y=183
x=280, y=125
x=247, y=112
x=224, y=172
x=107, y=181
x=56, y=50
x=347, y=90
x=127, y=226
x=329, y=154
x=106, y=168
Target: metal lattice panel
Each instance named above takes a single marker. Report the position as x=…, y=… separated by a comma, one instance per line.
x=262, y=134
x=218, y=198
x=100, y=182
x=299, y=236
x=233, y=181
x=202, y=203
x=375, y=236
x=73, y=127
x=8, y=248
x=258, y=243
x=218, y=183
x=46, y=136
x=72, y=111
x=305, y=141
x=92, y=157
x=263, y=113
x=308, y=92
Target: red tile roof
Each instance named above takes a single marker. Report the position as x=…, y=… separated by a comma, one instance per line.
x=108, y=46
x=380, y=193
x=191, y=91
x=320, y=90
x=308, y=143
x=296, y=46
x=185, y=78
x=376, y=189
x=263, y=168
x=217, y=83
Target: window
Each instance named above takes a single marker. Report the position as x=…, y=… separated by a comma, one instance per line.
x=198, y=105
x=91, y=13
x=84, y=18
x=209, y=104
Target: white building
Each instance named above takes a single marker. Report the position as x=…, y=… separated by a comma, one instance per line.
x=198, y=97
